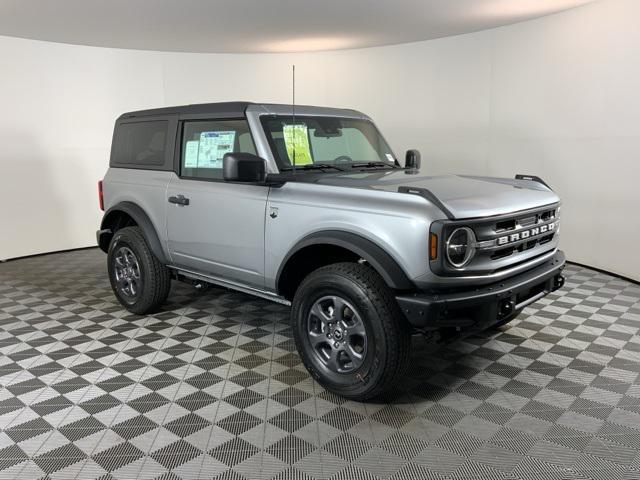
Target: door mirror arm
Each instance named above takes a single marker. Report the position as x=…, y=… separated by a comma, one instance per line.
x=274, y=180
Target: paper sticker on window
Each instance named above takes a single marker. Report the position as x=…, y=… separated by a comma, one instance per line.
x=213, y=146
x=296, y=140
x=191, y=154
x=389, y=157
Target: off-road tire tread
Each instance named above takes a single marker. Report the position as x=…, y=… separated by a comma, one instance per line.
x=157, y=284
x=394, y=323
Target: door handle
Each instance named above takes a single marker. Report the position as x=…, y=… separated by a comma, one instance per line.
x=179, y=200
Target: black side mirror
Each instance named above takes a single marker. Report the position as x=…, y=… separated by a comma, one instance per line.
x=412, y=160
x=243, y=167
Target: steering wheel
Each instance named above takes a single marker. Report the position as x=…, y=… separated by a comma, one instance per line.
x=343, y=159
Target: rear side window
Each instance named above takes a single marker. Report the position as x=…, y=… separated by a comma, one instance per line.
x=141, y=144
x=204, y=144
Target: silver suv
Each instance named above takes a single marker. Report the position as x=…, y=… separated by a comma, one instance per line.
x=309, y=207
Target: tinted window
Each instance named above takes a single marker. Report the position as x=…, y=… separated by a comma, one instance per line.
x=141, y=143
x=204, y=143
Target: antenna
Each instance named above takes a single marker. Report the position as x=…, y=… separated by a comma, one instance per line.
x=293, y=106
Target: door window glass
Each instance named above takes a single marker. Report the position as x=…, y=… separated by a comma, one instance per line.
x=204, y=144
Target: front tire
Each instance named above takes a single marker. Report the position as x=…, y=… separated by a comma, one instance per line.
x=139, y=280
x=349, y=330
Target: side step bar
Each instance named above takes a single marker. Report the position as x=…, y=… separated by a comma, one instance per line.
x=232, y=285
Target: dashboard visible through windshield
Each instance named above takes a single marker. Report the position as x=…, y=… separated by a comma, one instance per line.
x=316, y=142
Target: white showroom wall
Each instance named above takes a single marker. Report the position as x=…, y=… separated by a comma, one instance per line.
x=556, y=97
x=58, y=104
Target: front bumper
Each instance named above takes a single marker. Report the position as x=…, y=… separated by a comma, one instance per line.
x=480, y=308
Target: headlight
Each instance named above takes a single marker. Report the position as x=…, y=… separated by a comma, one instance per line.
x=460, y=246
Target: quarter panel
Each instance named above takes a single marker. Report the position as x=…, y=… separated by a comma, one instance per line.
x=145, y=188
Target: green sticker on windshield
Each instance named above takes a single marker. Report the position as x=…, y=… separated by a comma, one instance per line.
x=296, y=140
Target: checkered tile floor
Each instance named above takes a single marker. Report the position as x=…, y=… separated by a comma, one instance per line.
x=212, y=388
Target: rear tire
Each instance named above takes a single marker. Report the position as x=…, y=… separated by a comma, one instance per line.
x=349, y=331
x=140, y=282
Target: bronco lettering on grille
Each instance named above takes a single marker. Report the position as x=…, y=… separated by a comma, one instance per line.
x=532, y=232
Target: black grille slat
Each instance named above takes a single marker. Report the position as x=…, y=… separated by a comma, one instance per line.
x=506, y=225
x=525, y=222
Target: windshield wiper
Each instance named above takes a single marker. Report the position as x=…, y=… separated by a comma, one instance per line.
x=373, y=165
x=315, y=166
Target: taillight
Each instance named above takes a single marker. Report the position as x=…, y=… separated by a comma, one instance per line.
x=100, y=196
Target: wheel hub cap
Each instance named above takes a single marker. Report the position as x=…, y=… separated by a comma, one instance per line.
x=127, y=273
x=337, y=334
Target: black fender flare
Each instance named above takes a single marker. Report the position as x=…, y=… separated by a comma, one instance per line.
x=377, y=257
x=142, y=220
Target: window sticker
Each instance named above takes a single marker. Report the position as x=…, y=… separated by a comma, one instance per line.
x=213, y=146
x=296, y=140
x=389, y=157
x=191, y=154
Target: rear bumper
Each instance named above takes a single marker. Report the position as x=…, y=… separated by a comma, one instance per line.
x=480, y=308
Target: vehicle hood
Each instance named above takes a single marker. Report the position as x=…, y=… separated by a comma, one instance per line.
x=459, y=196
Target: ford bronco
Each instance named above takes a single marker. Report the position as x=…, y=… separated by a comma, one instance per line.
x=310, y=207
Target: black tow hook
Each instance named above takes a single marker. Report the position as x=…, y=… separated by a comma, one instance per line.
x=558, y=282
x=506, y=307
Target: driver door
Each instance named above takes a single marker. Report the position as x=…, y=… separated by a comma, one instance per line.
x=215, y=227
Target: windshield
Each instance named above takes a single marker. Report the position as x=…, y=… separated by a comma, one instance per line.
x=313, y=142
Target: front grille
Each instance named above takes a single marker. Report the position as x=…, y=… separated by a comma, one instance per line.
x=504, y=240
x=523, y=232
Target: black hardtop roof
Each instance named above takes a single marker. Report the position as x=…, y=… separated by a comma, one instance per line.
x=237, y=109
x=226, y=108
